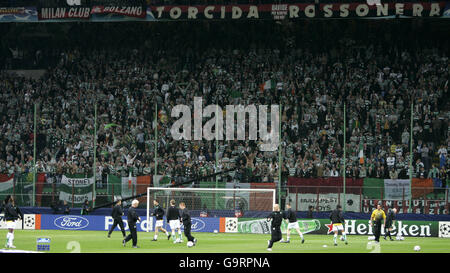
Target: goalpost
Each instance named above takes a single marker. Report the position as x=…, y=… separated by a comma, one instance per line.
x=219, y=201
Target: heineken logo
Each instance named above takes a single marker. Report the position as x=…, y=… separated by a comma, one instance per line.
x=330, y=228
x=422, y=229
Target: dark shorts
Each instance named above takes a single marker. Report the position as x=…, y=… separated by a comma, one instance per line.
x=276, y=234
x=388, y=225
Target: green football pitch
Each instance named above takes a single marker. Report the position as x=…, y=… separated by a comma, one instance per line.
x=97, y=242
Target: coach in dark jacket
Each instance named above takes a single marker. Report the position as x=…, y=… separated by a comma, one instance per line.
x=117, y=214
x=133, y=217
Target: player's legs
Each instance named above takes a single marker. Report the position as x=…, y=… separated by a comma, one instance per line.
x=133, y=235
x=114, y=225
x=288, y=235
x=173, y=230
x=122, y=228
x=344, y=235
x=187, y=233
x=388, y=233
x=10, y=238
x=335, y=237
x=180, y=235
x=276, y=236
x=159, y=227
x=377, y=232
x=301, y=234
x=164, y=230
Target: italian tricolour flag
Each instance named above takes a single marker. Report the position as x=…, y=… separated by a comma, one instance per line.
x=6, y=185
x=269, y=84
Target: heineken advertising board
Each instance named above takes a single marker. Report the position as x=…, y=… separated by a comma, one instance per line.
x=352, y=227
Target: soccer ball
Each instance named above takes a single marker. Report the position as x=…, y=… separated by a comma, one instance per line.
x=190, y=244
x=342, y=238
x=216, y=231
x=417, y=248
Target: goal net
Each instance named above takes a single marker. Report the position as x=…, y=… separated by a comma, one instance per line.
x=213, y=202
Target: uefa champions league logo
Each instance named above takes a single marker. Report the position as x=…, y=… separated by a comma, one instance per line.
x=257, y=117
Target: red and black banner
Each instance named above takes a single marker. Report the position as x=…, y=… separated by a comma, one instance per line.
x=130, y=11
x=104, y=10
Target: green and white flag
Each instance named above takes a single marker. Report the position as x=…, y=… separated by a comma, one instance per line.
x=76, y=188
x=161, y=180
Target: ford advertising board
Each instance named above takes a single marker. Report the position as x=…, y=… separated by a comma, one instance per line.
x=103, y=223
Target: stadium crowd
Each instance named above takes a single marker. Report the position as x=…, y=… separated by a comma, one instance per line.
x=311, y=74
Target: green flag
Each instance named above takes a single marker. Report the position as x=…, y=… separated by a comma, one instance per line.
x=76, y=188
x=107, y=126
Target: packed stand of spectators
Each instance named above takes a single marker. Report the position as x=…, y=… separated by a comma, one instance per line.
x=314, y=70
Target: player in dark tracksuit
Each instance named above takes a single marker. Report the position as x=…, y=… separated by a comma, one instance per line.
x=117, y=214
x=133, y=217
x=277, y=217
x=186, y=219
x=158, y=212
x=390, y=221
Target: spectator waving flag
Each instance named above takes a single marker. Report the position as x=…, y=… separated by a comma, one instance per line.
x=361, y=153
x=107, y=126
x=129, y=180
x=269, y=84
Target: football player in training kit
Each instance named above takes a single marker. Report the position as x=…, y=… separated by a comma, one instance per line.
x=291, y=218
x=173, y=218
x=277, y=217
x=158, y=212
x=12, y=214
x=185, y=217
x=337, y=220
x=390, y=222
x=117, y=214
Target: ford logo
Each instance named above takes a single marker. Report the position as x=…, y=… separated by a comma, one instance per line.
x=71, y=222
x=197, y=224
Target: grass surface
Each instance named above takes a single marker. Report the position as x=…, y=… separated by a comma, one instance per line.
x=97, y=242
